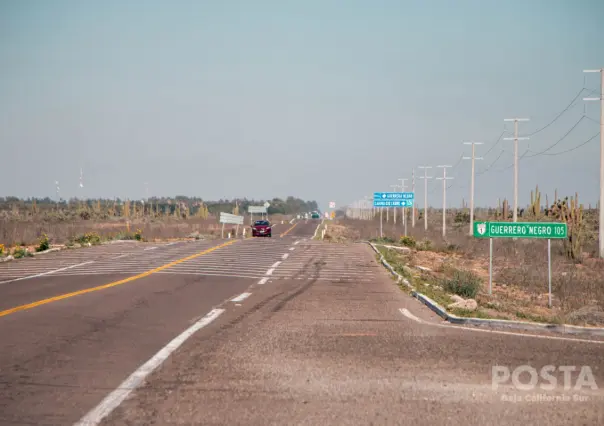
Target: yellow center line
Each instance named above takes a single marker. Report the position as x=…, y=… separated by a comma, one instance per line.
x=112, y=284
x=286, y=232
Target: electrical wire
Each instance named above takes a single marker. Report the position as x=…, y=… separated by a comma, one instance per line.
x=559, y=140
x=576, y=147
x=569, y=106
x=492, y=164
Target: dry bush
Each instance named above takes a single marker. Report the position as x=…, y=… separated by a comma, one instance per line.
x=520, y=264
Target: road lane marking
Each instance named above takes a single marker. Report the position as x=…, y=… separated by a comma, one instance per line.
x=409, y=315
x=292, y=248
x=115, y=398
x=270, y=271
x=112, y=284
x=276, y=264
x=263, y=280
x=241, y=297
x=287, y=232
x=45, y=273
x=150, y=248
x=297, y=242
x=285, y=256
x=120, y=256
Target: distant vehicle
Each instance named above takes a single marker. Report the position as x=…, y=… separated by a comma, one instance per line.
x=261, y=228
x=315, y=215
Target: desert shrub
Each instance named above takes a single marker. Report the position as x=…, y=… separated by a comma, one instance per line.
x=463, y=283
x=89, y=237
x=386, y=240
x=462, y=217
x=20, y=252
x=44, y=243
x=408, y=242
x=424, y=245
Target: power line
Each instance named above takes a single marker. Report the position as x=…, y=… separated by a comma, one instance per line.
x=576, y=147
x=559, y=140
x=490, y=166
x=569, y=106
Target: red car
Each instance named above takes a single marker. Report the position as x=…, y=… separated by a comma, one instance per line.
x=261, y=228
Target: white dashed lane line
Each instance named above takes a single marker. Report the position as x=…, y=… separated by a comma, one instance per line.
x=285, y=256
x=263, y=280
x=241, y=297
x=276, y=264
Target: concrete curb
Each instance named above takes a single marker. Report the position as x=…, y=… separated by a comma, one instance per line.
x=492, y=323
x=317, y=229
x=33, y=253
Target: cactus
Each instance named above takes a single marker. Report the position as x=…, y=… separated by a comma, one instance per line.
x=535, y=207
x=570, y=212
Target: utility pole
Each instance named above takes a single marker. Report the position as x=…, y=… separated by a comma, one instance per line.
x=413, y=190
x=425, y=177
x=515, y=139
x=473, y=157
x=444, y=179
x=395, y=187
x=403, y=188
x=601, y=204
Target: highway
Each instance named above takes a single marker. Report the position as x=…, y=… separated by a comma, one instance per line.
x=271, y=331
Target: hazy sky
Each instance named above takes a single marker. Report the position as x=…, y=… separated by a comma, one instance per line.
x=320, y=99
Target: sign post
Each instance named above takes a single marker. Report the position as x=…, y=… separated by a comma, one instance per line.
x=255, y=209
x=231, y=219
x=540, y=230
x=392, y=199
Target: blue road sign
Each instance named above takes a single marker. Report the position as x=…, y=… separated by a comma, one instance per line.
x=393, y=199
x=392, y=203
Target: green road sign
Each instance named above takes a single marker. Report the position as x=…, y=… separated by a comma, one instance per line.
x=546, y=230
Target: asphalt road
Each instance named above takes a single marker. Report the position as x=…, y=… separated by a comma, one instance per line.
x=284, y=330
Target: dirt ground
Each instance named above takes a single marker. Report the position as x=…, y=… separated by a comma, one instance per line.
x=520, y=271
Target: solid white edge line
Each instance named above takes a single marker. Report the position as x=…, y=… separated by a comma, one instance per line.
x=285, y=256
x=317, y=230
x=263, y=280
x=241, y=297
x=270, y=271
x=115, y=398
x=409, y=315
x=46, y=273
x=276, y=264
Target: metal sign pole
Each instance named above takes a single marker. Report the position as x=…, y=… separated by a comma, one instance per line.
x=381, y=210
x=222, y=231
x=490, y=266
x=549, y=269
x=405, y=220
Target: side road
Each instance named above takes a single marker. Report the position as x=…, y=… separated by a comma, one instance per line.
x=320, y=351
